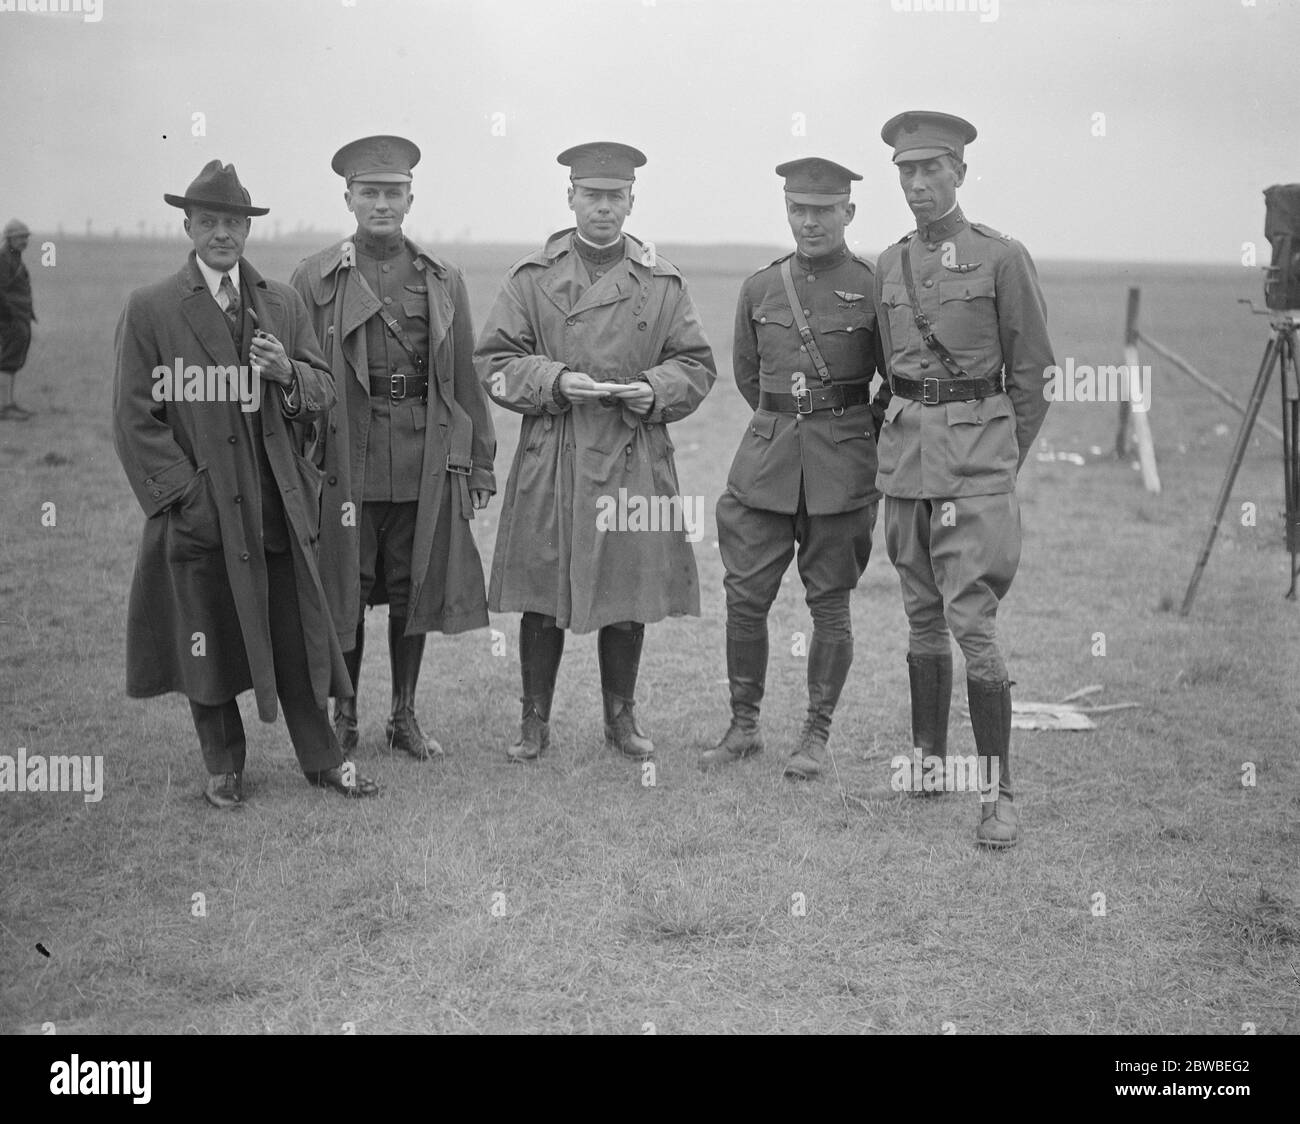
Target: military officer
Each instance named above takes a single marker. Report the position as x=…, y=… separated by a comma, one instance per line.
x=16, y=316
x=410, y=444
x=964, y=333
x=595, y=340
x=804, y=475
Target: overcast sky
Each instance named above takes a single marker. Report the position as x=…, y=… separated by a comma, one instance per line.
x=1199, y=98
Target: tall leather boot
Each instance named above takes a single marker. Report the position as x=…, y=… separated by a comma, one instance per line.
x=930, y=680
x=345, y=710
x=403, y=731
x=990, y=719
x=540, y=647
x=619, y=654
x=828, y=667
x=746, y=674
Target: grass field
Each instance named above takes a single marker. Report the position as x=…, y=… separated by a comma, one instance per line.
x=477, y=897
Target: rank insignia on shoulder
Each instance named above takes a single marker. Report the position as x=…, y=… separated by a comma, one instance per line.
x=349, y=256
x=963, y=267
x=648, y=257
x=850, y=297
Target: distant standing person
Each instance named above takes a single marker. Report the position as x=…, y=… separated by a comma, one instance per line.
x=226, y=595
x=804, y=477
x=409, y=448
x=595, y=340
x=16, y=317
x=965, y=339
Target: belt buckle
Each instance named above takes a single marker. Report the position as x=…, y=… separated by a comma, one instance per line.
x=925, y=392
x=392, y=387
x=800, y=398
x=458, y=469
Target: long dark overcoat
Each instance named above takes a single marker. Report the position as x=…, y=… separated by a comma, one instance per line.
x=197, y=619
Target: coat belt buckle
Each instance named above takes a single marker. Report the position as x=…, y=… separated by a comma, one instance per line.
x=925, y=392
x=803, y=401
x=458, y=469
x=392, y=387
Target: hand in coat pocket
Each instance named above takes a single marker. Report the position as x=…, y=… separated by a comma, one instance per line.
x=193, y=525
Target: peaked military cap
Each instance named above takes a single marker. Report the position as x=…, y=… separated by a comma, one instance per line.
x=381, y=159
x=217, y=188
x=15, y=227
x=605, y=165
x=815, y=181
x=921, y=134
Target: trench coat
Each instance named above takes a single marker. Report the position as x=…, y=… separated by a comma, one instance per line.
x=459, y=446
x=555, y=554
x=198, y=619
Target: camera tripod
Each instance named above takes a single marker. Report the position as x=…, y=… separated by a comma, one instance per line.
x=1281, y=353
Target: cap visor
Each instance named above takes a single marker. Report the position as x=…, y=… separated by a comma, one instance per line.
x=381, y=177
x=602, y=184
x=921, y=154
x=816, y=200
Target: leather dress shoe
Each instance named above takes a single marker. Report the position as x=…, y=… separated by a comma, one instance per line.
x=333, y=778
x=225, y=791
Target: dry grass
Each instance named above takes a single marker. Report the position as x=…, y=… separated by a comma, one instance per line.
x=625, y=905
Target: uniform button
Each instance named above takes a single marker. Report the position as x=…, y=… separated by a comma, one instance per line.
x=932, y=245
x=570, y=322
x=803, y=347
x=157, y=492
x=925, y=362
x=811, y=277
x=806, y=312
x=629, y=450
x=762, y=319
x=149, y=480
x=332, y=480
x=928, y=284
x=239, y=499
x=244, y=557
x=231, y=439
x=387, y=268
x=640, y=326
x=388, y=300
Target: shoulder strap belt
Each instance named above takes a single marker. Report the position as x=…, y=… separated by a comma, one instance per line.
x=801, y=322
x=923, y=322
x=394, y=328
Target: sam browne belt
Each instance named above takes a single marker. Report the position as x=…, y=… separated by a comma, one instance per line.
x=819, y=398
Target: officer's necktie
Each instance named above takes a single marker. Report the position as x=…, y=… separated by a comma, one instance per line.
x=228, y=298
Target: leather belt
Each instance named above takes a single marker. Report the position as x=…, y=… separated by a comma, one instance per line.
x=933, y=391
x=398, y=387
x=818, y=398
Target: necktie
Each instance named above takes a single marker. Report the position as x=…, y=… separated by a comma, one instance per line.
x=229, y=301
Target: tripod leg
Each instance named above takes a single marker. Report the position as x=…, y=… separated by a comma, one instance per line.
x=1271, y=353
x=1290, y=379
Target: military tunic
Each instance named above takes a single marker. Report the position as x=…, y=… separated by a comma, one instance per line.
x=801, y=479
x=948, y=471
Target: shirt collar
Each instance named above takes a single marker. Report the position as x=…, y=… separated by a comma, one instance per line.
x=948, y=223
x=213, y=276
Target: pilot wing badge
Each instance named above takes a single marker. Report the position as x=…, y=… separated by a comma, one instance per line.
x=849, y=297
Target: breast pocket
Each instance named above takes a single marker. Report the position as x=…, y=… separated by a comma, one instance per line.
x=894, y=299
x=415, y=308
x=968, y=315
x=772, y=324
